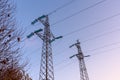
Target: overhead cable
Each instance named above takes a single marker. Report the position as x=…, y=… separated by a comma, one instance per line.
x=74, y=14
x=90, y=25
x=61, y=7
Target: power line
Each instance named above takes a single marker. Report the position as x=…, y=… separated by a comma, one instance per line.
x=74, y=14
x=95, y=37
x=56, y=67
x=95, y=48
x=106, y=50
x=65, y=66
x=90, y=25
x=101, y=35
x=91, y=55
x=108, y=45
x=98, y=36
x=57, y=9
x=100, y=21
x=61, y=7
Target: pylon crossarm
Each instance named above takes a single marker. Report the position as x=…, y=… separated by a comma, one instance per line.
x=30, y=35
x=41, y=17
x=87, y=56
x=59, y=37
x=73, y=56
x=56, y=38
x=35, y=32
x=39, y=30
x=71, y=45
x=36, y=20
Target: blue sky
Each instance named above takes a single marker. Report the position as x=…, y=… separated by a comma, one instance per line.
x=103, y=38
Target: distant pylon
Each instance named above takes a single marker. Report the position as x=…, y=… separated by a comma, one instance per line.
x=80, y=56
x=46, y=66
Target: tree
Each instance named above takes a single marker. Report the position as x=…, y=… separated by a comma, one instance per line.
x=10, y=67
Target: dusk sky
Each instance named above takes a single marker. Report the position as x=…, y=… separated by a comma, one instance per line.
x=96, y=23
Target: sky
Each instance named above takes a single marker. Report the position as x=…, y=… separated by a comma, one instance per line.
x=97, y=28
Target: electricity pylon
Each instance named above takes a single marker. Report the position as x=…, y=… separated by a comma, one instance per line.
x=80, y=56
x=46, y=66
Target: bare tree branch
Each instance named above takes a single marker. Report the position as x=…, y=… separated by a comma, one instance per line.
x=10, y=67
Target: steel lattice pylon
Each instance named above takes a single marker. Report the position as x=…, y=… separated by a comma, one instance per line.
x=80, y=56
x=46, y=66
